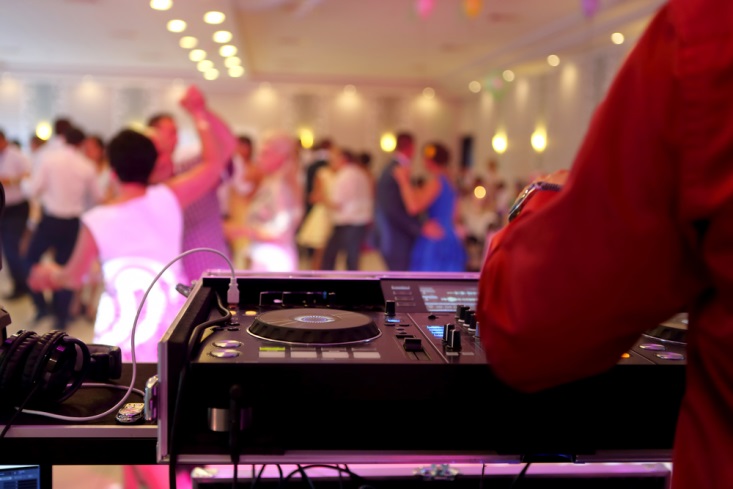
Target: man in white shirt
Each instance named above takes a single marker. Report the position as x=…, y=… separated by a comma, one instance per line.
x=351, y=205
x=14, y=166
x=64, y=181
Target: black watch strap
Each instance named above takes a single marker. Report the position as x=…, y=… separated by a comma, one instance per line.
x=527, y=193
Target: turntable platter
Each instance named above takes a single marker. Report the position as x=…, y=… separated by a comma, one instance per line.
x=314, y=327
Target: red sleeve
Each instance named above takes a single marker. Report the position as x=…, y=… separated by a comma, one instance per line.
x=571, y=283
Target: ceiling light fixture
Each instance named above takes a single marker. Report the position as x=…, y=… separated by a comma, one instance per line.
x=197, y=55
x=617, y=38
x=211, y=74
x=228, y=50
x=232, y=61
x=553, y=60
x=428, y=92
x=222, y=37
x=214, y=17
x=204, y=65
x=161, y=4
x=508, y=75
x=474, y=86
x=188, y=42
x=236, y=71
x=176, y=25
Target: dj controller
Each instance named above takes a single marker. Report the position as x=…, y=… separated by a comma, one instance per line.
x=344, y=366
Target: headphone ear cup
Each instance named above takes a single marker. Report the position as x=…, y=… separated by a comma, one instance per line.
x=13, y=358
x=54, y=368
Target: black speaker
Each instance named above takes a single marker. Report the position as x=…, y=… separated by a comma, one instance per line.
x=51, y=367
x=467, y=152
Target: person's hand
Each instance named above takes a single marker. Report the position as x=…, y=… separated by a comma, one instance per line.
x=432, y=229
x=43, y=276
x=193, y=100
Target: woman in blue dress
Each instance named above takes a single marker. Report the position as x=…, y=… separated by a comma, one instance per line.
x=437, y=198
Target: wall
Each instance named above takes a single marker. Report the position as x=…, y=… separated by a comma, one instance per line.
x=562, y=99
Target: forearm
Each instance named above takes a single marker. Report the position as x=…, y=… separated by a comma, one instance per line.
x=222, y=135
x=409, y=197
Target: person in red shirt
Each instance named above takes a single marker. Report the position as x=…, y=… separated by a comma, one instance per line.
x=641, y=229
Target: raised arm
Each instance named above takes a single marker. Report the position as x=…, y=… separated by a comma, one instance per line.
x=217, y=143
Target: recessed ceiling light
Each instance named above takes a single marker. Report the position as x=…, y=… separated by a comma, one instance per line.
x=176, y=25
x=222, y=36
x=204, y=65
x=617, y=38
x=232, y=61
x=508, y=75
x=214, y=17
x=211, y=74
x=236, y=71
x=553, y=60
x=161, y=4
x=475, y=86
x=188, y=42
x=228, y=50
x=197, y=55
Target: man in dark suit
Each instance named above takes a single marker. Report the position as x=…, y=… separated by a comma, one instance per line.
x=396, y=229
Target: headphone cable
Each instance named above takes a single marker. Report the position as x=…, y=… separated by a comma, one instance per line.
x=19, y=410
x=232, y=286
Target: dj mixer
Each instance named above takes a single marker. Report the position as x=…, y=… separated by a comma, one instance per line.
x=345, y=366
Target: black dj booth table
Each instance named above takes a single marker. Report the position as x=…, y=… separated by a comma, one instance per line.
x=314, y=383
x=398, y=392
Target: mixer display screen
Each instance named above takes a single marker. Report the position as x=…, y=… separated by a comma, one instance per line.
x=444, y=297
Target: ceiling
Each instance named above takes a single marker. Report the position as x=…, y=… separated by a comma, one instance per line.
x=385, y=42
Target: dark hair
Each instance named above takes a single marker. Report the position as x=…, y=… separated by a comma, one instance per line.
x=61, y=126
x=155, y=119
x=325, y=143
x=404, y=141
x=437, y=153
x=348, y=155
x=2, y=134
x=365, y=159
x=132, y=156
x=74, y=136
x=248, y=141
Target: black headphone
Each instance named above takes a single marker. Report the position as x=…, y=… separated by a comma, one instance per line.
x=51, y=367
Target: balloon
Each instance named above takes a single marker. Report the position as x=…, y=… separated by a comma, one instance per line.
x=590, y=7
x=424, y=8
x=472, y=7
